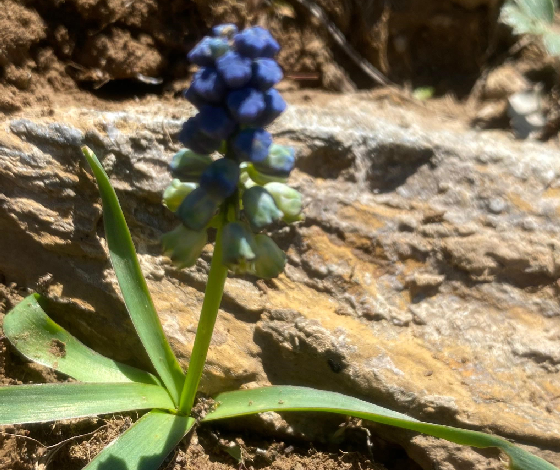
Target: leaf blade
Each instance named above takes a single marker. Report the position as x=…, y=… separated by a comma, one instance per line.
x=133, y=285
x=41, y=340
x=49, y=402
x=289, y=398
x=541, y=10
x=163, y=431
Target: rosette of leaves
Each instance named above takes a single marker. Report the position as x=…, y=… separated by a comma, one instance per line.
x=534, y=17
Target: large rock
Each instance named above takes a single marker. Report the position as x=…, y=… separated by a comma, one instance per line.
x=424, y=277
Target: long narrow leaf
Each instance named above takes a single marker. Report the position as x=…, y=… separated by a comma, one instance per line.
x=40, y=403
x=41, y=340
x=541, y=10
x=133, y=285
x=244, y=402
x=145, y=445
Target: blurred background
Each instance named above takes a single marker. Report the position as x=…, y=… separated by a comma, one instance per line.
x=466, y=51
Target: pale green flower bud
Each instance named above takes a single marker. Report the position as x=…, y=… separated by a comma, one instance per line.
x=176, y=192
x=197, y=209
x=279, y=162
x=262, y=178
x=187, y=165
x=184, y=246
x=270, y=259
x=287, y=199
x=260, y=207
x=244, y=178
x=238, y=249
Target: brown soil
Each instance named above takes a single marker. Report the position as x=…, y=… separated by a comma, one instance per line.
x=87, y=52
x=104, y=46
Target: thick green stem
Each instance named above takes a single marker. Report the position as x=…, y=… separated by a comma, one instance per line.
x=212, y=298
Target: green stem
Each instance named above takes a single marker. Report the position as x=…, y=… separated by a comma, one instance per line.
x=212, y=298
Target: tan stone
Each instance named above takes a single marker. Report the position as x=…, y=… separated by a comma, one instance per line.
x=423, y=279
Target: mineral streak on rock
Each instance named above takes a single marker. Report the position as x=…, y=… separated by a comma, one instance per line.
x=404, y=286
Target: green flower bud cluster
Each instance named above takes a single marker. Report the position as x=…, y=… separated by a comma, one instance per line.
x=251, y=208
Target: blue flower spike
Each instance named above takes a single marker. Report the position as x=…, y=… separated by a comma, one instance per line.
x=193, y=97
x=197, y=209
x=208, y=50
x=238, y=247
x=235, y=69
x=184, y=246
x=220, y=179
x=194, y=139
x=287, y=199
x=251, y=145
x=270, y=259
x=215, y=122
x=175, y=193
x=279, y=162
x=243, y=192
x=266, y=74
x=208, y=84
x=187, y=165
x=226, y=30
x=260, y=208
x=246, y=105
x=256, y=42
x=274, y=107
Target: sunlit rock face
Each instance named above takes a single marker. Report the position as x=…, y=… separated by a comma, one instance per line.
x=424, y=277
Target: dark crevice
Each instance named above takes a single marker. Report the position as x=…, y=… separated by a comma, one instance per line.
x=392, y=164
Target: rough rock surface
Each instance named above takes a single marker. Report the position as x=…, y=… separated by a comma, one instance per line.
x=424, y=277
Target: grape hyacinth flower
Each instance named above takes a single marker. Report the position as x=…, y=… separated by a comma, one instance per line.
x=243, y=192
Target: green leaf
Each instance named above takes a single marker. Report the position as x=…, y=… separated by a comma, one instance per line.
x=41, y=340
x=133, y=285
x=551, y=40
x=541, y=10
x=40, y=403
x=286, y=398
x=145, y=445
x=517, y=20
x=528, y=16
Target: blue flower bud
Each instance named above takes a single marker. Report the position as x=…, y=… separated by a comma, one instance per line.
x=208, y=84
x=260, y=208
x=184, y=246
x=246, y=105
x=227, y=30
x=238, y=247
x=279, y=162
x=192, y=96
x=175, y=193
x=275, y=105
x=287, y=199
x=236, y=70
x=197, y=209
x=251, y=145
x=256, y=42
x=208, y=50
x=215, y=122
x=193, y=138
x=266, y=74
x=188, y=165
x=270, y=259
x=220, y=179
